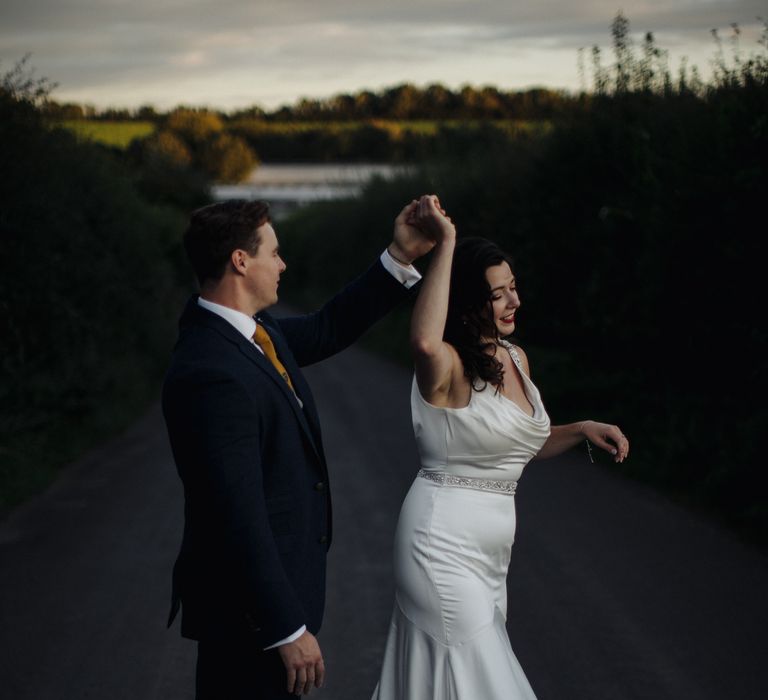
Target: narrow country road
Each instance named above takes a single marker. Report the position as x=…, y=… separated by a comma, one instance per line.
x=614, y=592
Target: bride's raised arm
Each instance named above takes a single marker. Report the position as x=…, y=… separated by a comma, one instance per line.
x=435, y=360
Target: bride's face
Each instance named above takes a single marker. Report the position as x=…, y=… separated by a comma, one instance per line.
x=504, y=298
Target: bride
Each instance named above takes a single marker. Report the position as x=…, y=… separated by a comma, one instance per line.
x=478, y=420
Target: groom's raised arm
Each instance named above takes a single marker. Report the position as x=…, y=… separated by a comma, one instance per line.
x=343, y=319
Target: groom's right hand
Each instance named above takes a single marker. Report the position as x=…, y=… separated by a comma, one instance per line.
x=304, y=664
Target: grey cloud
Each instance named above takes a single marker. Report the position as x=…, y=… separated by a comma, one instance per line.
x=302, y=44
x=207, y=15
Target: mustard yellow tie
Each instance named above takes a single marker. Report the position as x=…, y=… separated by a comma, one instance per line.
x=261, y=337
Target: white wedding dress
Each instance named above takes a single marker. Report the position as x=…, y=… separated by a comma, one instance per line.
x=447, y=639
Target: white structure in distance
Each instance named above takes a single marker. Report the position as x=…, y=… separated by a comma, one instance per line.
x=288, y=186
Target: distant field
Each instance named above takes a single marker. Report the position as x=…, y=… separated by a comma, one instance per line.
x=117, y=134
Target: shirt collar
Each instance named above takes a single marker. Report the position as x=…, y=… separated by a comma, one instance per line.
x=242, y=322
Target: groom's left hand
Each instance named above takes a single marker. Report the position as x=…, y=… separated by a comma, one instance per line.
x=409, y=242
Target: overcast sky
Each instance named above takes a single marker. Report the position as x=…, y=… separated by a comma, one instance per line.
x=235, y=53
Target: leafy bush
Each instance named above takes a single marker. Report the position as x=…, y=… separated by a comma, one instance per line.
x=227, y=158
x=90, y=285
x=167, y=146
x=195, y=126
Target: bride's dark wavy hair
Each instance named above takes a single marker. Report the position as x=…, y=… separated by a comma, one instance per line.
x=470, y=310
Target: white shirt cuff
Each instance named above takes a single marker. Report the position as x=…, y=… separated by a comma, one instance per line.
x=407, y=275
x=290, y=639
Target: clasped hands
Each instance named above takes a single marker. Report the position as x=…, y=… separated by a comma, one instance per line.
x=420, y=226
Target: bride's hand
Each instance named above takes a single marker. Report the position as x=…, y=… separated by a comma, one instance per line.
x=608, y=437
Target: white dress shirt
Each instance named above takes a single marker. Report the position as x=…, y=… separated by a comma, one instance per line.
x=407, y=275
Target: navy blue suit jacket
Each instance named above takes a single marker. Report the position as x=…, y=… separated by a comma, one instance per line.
x=257, y=505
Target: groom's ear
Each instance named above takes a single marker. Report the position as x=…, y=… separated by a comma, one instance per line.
x=238, y=261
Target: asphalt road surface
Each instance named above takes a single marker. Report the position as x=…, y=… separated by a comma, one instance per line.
x=614, y=592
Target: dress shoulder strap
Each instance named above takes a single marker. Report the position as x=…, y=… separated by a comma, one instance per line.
x=513, y=353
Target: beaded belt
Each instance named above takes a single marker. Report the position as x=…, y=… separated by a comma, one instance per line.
x=506, y=486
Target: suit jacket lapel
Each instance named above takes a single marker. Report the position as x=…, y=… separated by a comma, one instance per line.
x=253, y=354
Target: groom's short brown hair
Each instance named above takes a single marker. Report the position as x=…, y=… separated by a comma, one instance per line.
x=216, y=230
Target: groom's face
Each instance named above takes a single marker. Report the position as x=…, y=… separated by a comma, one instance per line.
x=264, y=269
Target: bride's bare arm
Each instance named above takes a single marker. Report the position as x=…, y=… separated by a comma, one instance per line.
x=434, y=359
x=606, y=436
x=563, y=437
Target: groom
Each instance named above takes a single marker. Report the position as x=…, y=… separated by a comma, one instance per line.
x=245, y=433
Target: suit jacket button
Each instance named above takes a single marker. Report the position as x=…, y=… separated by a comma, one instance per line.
x=319, y=486
x=323, y=539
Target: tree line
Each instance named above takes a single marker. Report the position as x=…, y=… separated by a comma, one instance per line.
x=400, y=102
